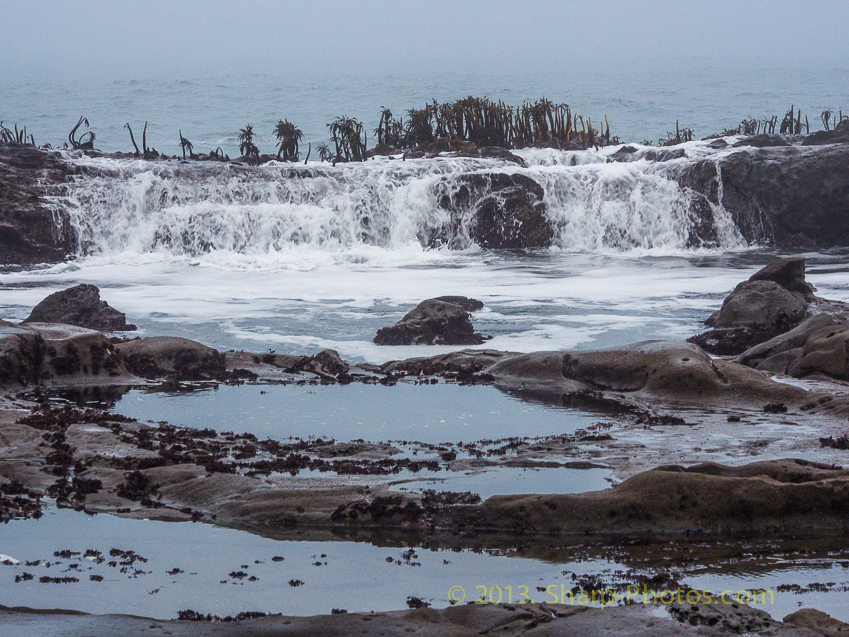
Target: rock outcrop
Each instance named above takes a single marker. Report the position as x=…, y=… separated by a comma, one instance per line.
x=172, y=357
x=30, y=230
x=434, y=322
x=56, y=354
x=667, y=370
x=707, y=499
x=80, y=305
x=785, y=196
x=501, y=211
x=774, y=300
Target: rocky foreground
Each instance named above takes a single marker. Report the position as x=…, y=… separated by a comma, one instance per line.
x=508, y=620
x=676, y=429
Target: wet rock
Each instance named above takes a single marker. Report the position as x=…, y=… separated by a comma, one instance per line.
x=80, y=305
x=431, y=322
x=464, y=362
x=795, y=196
x=30, y=231
x=676, y=619
x=171, y=356
x=764, y=141
x=22, y=351
x=496, y=210
x=817, y=621
x=774, y=300
x=57, y=354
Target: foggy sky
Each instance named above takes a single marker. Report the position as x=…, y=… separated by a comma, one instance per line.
x=174, y=38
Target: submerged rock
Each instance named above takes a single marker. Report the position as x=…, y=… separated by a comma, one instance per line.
x=81, y=306
x=171, y=356
x=433, y=322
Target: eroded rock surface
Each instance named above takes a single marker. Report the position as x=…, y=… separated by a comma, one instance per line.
x=171, y=356
x=774, y=300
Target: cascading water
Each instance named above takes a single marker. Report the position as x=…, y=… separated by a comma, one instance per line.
x=193, y=209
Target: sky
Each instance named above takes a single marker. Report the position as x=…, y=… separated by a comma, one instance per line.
x=123, y=38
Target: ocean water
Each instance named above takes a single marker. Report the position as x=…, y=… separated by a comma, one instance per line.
x=641, y=103
x=260, y=260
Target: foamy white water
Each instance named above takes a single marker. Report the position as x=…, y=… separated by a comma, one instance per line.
x=298, y=258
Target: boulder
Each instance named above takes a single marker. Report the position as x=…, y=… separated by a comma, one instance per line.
x=172, y=357
x=817, y=621
x=22, y=351
x=432, y=322
x=773, y=300
x=778, y=353
x=794, y=196
x=80, y=305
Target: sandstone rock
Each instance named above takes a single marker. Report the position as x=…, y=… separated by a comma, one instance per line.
x=776, y=354
x=464, y=362
x=431, y=322
x=171, y=356
x=80, y=305
x=817, y=621
x=706, y=499
x=496, y=210
x=826, y=351
x=774, y=300
x=55, y=354
x=22, y=351
x=75, y=354
x=674, y=371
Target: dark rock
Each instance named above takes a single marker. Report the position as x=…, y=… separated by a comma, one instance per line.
x=818, y=622
x=496, y=210
x=431, y=322
x=764, y=141
x=789, y=274
x=80, y=305
x=172, y=357
x=22, y=351
x=470, y=305
x=837, y=136
x=778, y=353
x=465, y=362
x=795, y=196
x=56, y=354
x=774, y=300
x=29, y=232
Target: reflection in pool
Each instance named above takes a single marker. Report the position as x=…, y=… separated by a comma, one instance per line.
x=428, y=413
